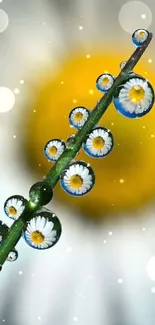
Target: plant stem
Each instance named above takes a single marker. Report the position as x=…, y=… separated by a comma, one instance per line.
x=72, y=149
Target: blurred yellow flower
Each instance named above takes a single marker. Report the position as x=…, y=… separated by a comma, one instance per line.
x=126, y=178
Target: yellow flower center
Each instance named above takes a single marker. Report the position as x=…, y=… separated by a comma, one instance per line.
x=76, y=181
x=53, y=150
x=78, y=116
x=141, y=34
x=105, y=80
x=136, y=93
x=98, y=143
x=12, y=211
x=37, y=237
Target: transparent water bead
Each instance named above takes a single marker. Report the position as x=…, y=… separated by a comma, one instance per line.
x=43, y=230
x=135, y=97
x=78, y=179
x=99, y=143
x=41, y=193
x=140, y=36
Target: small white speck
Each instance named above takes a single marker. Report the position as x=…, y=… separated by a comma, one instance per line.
x=110, y=233
x=80, y=27
x=120, y=281
x=14, y=136
x=75, y=319
x=16, y=91
x=42, y=58
x=3, y=319
x=39, y=165
x=153, y=289
x=143, y=16
x=49, y=42
x=149, y=60
x=143, y=229
x=34, y=111
x=21, y=82
x=20, y=272
x=44, y=23
x=39, y=317
x=89, y=277
x=104, y=241
x=33, y=274
x=88, y=56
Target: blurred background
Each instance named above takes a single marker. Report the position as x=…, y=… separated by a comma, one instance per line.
x=102, y=270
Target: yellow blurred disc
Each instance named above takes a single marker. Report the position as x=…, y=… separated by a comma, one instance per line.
x=126, y=178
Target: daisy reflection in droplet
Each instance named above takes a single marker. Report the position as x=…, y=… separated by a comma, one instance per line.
x=134, y=98
x=14, y=206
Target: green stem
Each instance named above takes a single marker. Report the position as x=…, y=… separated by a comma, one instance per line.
x=73, y=147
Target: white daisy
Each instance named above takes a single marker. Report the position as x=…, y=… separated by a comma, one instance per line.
x=140, y=36
x=54, y=149
x=78, y=179
x=14, y=206
x=99, y=143
x=104, y=82
x=12, y=256
x=78, y=116
x=135, y=97
x=39, y=232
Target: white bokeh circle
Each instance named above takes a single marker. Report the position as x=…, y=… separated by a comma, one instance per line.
x=135, y=15
x=4, y=20
x=7, y=99
x=151, y=268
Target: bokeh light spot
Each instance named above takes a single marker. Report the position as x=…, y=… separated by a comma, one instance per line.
x=4, y=20
x=151, y=268
x=7, y=99
x=140, y=13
